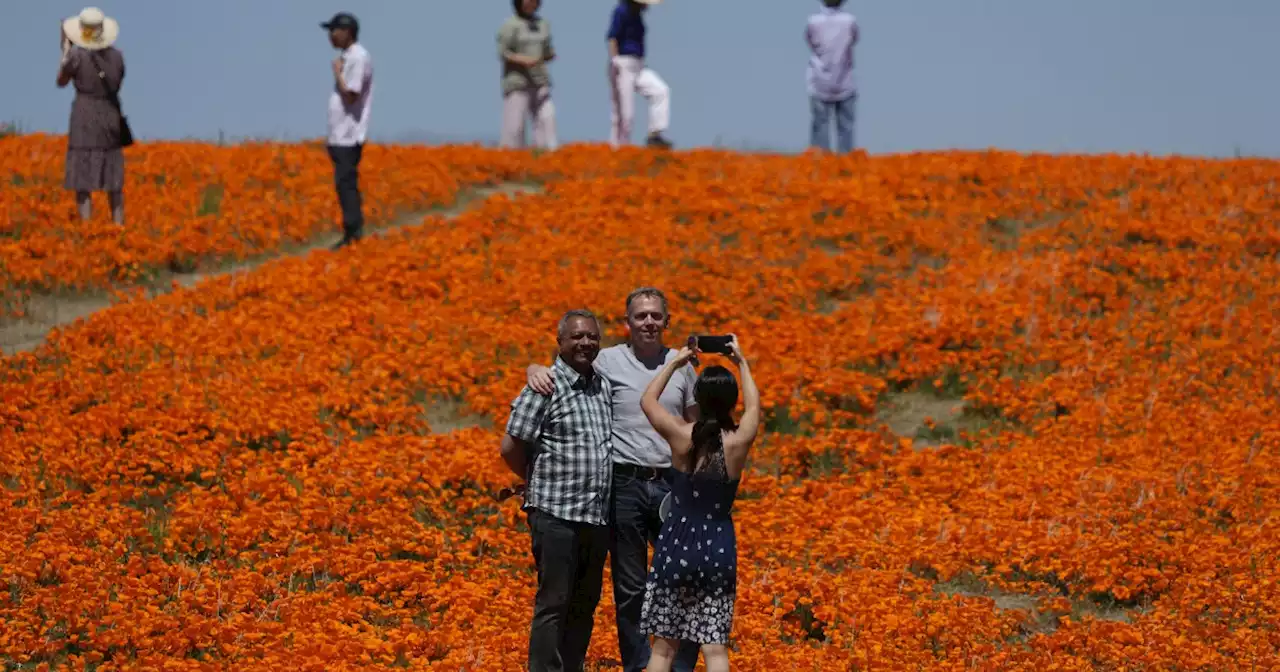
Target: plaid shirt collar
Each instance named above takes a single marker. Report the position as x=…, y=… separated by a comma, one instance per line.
x=577, y=381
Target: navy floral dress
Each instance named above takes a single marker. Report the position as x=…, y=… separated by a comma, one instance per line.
x=693, y=582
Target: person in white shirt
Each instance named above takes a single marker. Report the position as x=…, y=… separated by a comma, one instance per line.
x=831, y=34
x=349, y=106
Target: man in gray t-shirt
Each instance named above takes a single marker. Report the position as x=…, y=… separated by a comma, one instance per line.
x=635, y=442
x=641, y=462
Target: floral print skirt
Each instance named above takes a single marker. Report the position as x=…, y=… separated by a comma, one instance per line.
x=692, y=585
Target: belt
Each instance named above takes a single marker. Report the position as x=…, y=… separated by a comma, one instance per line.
x=639, y=472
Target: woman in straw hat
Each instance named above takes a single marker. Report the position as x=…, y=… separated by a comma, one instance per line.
x=95, y=135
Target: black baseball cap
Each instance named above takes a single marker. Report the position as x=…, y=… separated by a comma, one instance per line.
x=341, y=20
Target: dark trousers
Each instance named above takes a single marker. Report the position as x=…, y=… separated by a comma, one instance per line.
x=635, y=528
x=570, y=561
x=346, y=177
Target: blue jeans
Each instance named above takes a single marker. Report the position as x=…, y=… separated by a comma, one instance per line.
x=820, y=128
x=635, y=528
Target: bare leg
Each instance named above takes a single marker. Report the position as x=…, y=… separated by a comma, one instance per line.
x=716, y=656
x=116, y=198
x=84, y=203
x=664, y=652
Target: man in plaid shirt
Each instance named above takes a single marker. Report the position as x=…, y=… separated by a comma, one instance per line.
x=560, y=444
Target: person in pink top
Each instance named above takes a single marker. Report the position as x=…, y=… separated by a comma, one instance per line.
x=831, y=35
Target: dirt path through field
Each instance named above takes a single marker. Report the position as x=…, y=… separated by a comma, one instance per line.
x=47, y=311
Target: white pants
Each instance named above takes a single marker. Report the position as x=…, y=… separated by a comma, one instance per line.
x=537, y=105
x=629, y=77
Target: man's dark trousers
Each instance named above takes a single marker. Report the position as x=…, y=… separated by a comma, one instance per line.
x=346, y=177
x=570, y=561
x=637, y=494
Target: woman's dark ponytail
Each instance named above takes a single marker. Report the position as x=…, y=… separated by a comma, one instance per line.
x=706, y=439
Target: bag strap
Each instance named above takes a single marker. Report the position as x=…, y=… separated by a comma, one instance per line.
x=113, y=94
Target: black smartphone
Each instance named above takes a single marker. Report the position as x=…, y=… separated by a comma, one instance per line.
x=717, y=345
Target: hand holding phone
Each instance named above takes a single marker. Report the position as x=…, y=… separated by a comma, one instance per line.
x=735, y=351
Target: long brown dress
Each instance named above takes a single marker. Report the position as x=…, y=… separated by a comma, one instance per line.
x=95, y=161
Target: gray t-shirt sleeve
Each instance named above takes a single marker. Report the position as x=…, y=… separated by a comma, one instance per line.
x=603, y=362
x=690, y=378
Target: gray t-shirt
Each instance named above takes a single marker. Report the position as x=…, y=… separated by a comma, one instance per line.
x=635, y=441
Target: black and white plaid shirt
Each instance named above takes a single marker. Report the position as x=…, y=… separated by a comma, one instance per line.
x=571, y=457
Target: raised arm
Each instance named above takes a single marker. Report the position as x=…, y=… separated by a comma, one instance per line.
x=66, y=67
x=669, y=426
x=750, y=422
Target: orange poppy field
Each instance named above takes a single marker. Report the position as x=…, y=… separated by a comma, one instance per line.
x=1020, y=409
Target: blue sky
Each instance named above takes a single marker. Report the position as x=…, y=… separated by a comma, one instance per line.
x=1158, y=76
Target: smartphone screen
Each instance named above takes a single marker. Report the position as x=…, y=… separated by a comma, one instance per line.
x=715, y=344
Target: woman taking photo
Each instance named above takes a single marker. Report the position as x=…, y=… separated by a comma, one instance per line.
x=97, y=131
x=692, y=583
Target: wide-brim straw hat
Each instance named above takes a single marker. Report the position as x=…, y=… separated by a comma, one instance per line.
x=91, y=29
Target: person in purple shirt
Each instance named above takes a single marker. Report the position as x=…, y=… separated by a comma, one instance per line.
x=628, y=75
x=831, y=35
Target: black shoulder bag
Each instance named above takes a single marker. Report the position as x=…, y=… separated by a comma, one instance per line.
x=113, y=95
